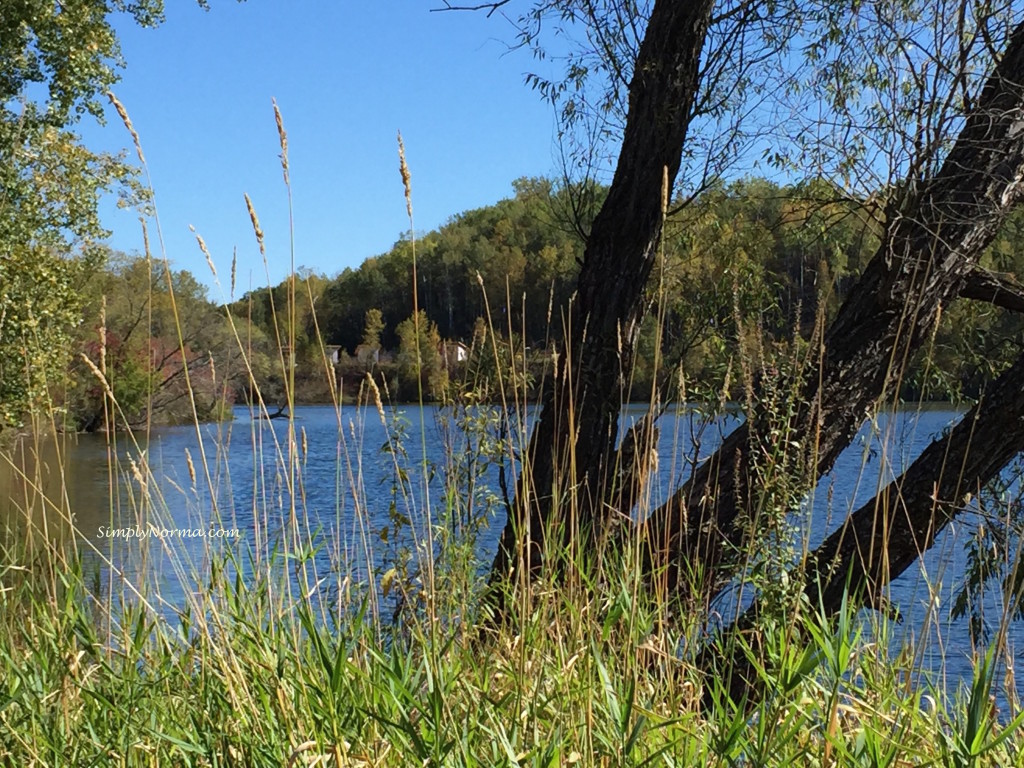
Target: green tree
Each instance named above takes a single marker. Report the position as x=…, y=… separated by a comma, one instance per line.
x=420, y=367
x=38, y=309
x=56, y=61
x=159, y=356
x=372, y=331
x=518, y=253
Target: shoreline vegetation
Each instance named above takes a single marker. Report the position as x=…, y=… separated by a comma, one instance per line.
x=279, y=657
x=612, y=629
x=722, y=301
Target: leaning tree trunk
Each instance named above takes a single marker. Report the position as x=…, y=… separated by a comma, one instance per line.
x=887, y=535
x=930, y=251
x=572, y=447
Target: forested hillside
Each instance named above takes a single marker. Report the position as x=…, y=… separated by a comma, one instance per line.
x=748, y=263
x=152, y=335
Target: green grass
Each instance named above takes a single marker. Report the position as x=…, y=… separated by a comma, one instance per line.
x=253, y=680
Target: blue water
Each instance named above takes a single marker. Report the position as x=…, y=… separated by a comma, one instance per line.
x=353, y=476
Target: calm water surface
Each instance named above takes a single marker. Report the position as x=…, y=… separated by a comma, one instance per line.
x=353, y=477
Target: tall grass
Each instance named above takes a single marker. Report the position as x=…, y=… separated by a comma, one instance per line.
x=304, y=644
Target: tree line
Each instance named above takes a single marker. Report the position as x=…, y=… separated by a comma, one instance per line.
x=746, y=264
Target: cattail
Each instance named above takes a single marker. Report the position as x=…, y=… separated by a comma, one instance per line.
x=204, y=249
x=255, y=224
x=283, y=138
x=403, y=168
x=127, y=124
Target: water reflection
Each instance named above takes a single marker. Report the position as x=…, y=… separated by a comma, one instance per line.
x=50, y=487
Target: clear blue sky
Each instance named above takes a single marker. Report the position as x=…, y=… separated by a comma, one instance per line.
x=347, y=77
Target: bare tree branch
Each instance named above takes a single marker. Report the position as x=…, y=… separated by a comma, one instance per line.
x=491, y=8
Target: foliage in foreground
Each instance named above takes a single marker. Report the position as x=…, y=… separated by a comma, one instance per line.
x=252, y=673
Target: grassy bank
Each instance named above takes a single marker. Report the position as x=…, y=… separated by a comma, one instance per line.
x=304, y=662
x=256, y=681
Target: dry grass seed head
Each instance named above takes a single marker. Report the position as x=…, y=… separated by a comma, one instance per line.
x=145, y=240
x=191, y=467
x=377, y=399
x=103, y=333
x=123, y=114
x=403, y=168
x=137, y=474
x=98, y=374
x=255, y=224
x=283, y=137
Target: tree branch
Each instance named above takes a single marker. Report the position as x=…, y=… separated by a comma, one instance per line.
x=491, y=8
x=928, y=251
x=998, y=289
x=883, y=538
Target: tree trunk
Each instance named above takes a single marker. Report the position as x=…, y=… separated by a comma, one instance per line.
x=932, y=245
x=884, y=537
x=572, y=446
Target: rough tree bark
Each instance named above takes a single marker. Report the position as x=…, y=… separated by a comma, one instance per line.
x=928, y=257
x=572, y=446
x=1001, y=290
x=887, y=535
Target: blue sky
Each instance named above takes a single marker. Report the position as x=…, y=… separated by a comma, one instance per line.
x=347, y=77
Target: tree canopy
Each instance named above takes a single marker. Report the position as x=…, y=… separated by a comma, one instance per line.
x=57, y=60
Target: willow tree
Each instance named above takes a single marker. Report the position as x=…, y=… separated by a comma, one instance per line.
x=663, y=68
x=961, y=171
x=929, y=258
x=911, y=109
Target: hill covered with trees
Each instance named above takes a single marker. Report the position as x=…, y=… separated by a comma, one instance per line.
x=747, y=264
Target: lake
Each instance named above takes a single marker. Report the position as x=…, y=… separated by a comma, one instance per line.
x=346, y=494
